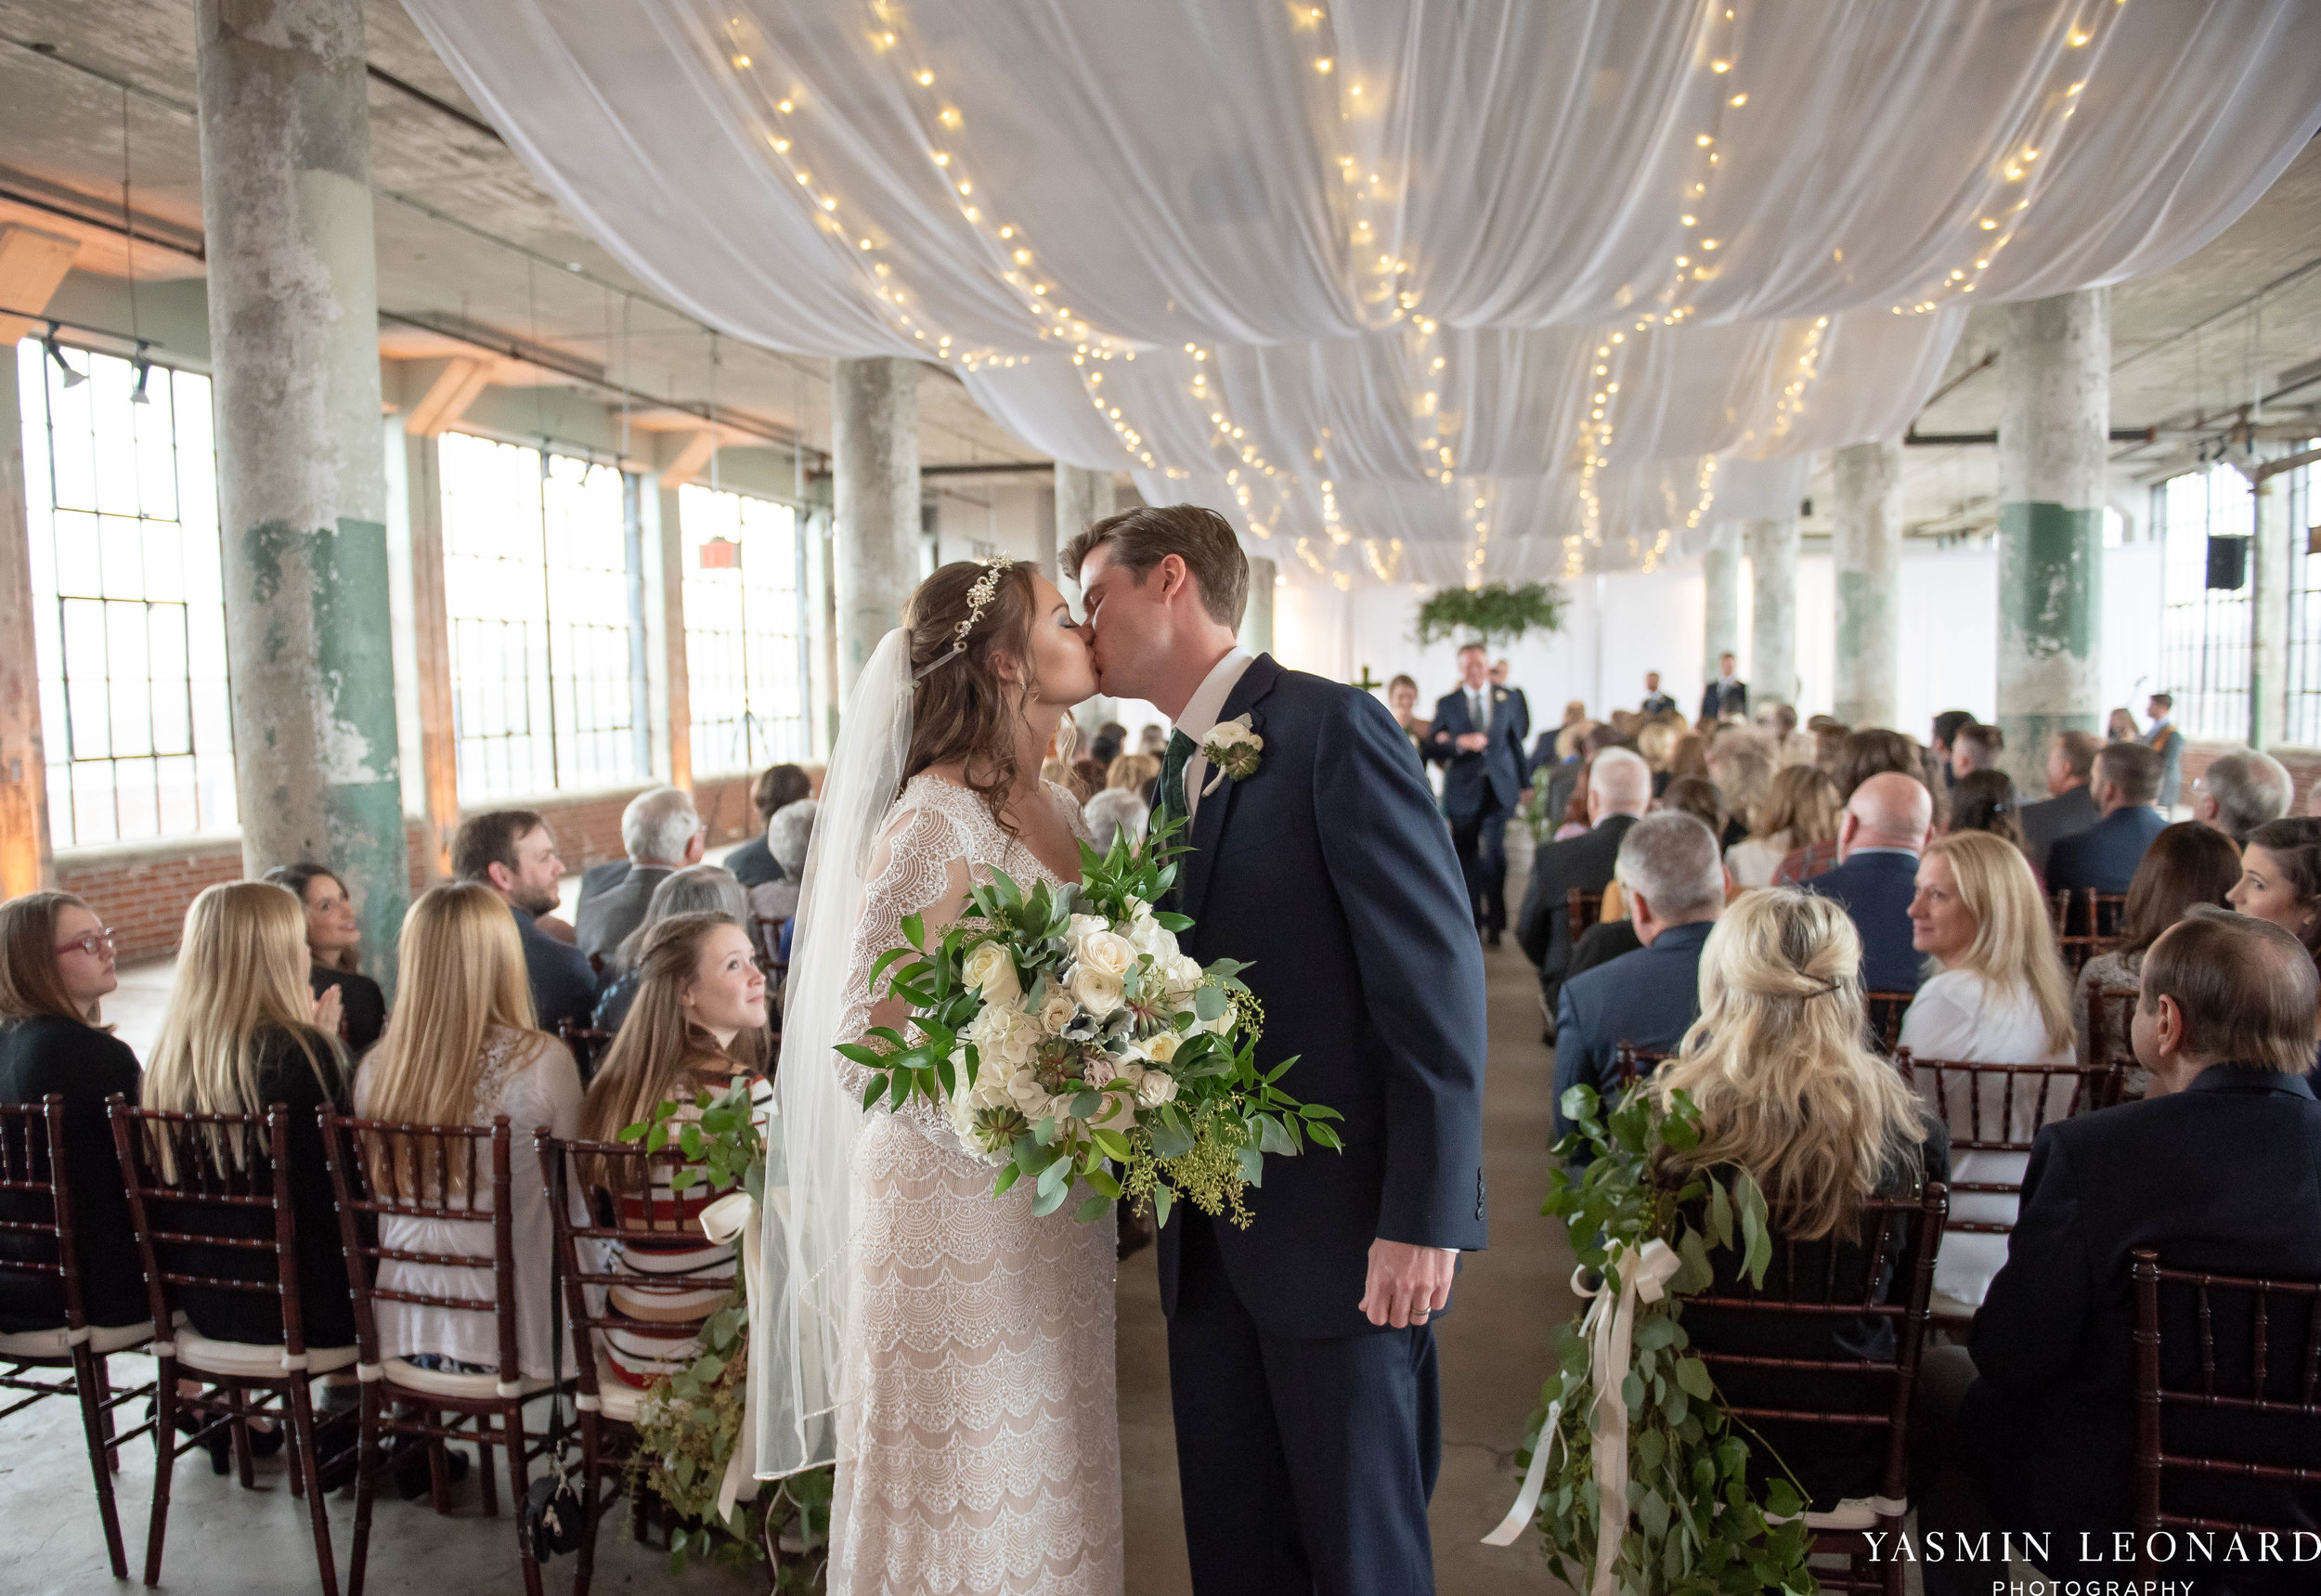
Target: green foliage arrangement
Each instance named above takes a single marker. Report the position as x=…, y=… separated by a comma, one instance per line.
x=1494, y=611
x=1693, y=1528
x=689, y=1422
x=1533, y=813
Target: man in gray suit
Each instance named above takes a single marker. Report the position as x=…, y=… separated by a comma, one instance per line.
x=2168, y=743
x=661, y=832
x=2069, y=806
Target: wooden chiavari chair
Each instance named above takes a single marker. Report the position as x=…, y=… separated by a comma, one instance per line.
x=2111, y=1013
x=1886, y=1010
x=586, y=1043
x=2087, y=923
x=1582, y=909
x=1631, y=1063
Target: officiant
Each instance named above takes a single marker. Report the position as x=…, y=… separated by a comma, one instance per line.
x=1478, y=738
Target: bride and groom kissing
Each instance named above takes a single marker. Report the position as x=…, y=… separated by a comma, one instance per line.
x=952, y=1352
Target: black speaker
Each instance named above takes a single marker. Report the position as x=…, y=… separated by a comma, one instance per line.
x=2227, y=564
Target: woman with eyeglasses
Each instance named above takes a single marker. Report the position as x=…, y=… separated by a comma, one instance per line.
x=332, y=937
x=55, y=965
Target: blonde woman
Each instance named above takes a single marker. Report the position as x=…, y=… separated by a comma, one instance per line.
x=461, y=1048
x=243, y=1034
x=1796, y=809
x=1788, y=1092
x=1999, y=995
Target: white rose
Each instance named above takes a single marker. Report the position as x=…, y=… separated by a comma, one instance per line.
x=990, y=968
x=1056, y=1010
x=1003, y=1035
x=1080, y=926
x=1149, y=937
x=1104, y=950
x=1095, y=989
x=1157, y=1087
x=1160, y=1048
x=1030, y=1097
x=1111, y=1070
x=1180, y=977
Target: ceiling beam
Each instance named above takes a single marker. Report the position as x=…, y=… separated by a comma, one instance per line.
x=448, y=397
x=31, y=264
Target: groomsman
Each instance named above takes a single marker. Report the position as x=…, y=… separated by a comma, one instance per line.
x=1478, y=739
x=1656, y=701
x=1726, y=696
x=1523, y=705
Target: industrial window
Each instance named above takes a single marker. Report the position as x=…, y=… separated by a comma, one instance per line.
x=129, y=613
x=2304, y=606
x=2205, y=518
x=544, y=586
x=745, y=631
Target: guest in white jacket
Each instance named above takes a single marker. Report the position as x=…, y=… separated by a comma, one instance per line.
x=463, y=1046
x=1998, y=996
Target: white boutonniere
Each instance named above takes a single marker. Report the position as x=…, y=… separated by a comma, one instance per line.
x=1232, y=748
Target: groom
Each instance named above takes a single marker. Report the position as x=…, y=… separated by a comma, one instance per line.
x=1301, y=1365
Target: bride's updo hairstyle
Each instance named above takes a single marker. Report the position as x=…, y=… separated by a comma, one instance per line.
x=1779, y=1065
x=961, y=710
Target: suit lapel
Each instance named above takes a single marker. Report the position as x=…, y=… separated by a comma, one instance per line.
x=1208, y=819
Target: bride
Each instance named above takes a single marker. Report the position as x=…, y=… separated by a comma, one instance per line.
x=951, y=1353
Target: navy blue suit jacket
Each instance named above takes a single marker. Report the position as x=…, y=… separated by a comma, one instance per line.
x=1648, y=998
x=564, y=987
x=1498, y=769
x=1875, y=890
x=2106, y=854
x=2223, y=1176
x=1330, y=870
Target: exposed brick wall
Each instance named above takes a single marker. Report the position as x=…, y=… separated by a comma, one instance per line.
x=143, y=892
x=2302, y=764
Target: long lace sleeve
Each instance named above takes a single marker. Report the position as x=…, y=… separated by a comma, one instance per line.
x=917, y=866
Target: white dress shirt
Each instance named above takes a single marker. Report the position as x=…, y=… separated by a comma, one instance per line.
x=1202, y=711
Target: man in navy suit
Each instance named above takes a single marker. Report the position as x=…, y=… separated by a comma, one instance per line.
x=511, y=851
x=1619, y=789
x=1887, y=826
x=1301, y=1365
x=2126, y=784
x=1675, y=877
x=1656, y=701
x=1727, y=694
x=2218, y=1168
x=1478, y=740
x=2069, y=806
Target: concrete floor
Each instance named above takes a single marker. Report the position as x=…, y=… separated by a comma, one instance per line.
x=1493, y=1351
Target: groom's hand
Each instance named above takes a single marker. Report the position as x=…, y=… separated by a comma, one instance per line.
x=1407, y=1282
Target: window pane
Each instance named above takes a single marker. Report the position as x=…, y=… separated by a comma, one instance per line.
x=744, y=620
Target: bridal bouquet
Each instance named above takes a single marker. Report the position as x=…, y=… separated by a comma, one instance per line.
x=1069, y=1037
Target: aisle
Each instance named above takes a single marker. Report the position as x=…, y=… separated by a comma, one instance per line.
x=1494, y=1342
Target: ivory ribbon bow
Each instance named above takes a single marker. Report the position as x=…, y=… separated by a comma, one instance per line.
x=1611, y=1331
x=730, y=1218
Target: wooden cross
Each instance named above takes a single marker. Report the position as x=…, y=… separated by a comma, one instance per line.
x=1369, y=684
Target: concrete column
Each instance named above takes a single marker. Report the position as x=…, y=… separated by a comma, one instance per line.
x=875, y=445
x=1082, y=496
x=27, y=863
x=302, y=481
x=423, y=635
x=1257, y=621
x=668, y=677
x=1867, y=544
x=1720, y=629
x=2271, y=560
x=1771, y=546
x=2054, y=418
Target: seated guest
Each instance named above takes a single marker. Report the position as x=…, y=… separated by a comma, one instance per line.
x=1975, y=746
x=1863, y=754
x=2105, y=856
x=1110, y=741
x=1088, y=773
x=1153, y=739
x=696, y=890
x=1065, y=776
x=55, y=963
x=332, y=937
x=1879, y=837
x=511, y=851
x=1797, y=808
x=2280, y=881
x=464, y=1046
x=701, y=998
x=1564, y=784
x=1676, y=888
x=1619, y=789
x=1943, y=739
x=2240, y=791
x=1136, y=774
x=1984, y=801
x=2220, y=1168
x=2187, y=863
x=1829, y=746
x=1788, y=1092
x=2070, y=805
x=787, y=836
x=239, y=1037
x=1116, y=812
x=776, y=788
x=661, y=832
x=1743, y=769
x=1999, y=996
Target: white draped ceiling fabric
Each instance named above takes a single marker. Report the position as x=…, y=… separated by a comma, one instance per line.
x=1413, y=289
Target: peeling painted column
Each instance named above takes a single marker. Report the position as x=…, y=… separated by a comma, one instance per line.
x=875, y=445
x=301, y=477
x=2055, y=419
x=2272, y=560
x=27, y=863
x=1082, y=496
x=1772, y=550
x=1721, y=616
x=1257, y=621
x=1867, y=548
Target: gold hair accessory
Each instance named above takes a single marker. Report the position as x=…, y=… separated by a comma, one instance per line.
x=978, y=599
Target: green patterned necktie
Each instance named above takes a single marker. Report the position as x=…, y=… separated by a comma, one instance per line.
x=1170, y=796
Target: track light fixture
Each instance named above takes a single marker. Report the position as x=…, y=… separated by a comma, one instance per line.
x=71, y=379
x=144, y=369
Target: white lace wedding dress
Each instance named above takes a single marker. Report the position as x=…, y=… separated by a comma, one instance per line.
x=977, y=1438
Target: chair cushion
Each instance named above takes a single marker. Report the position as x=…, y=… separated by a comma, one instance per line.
x=615, y=1399
x=198, y=1351
x=58, y=1343
x=1855, y=1513
x=405, y=1375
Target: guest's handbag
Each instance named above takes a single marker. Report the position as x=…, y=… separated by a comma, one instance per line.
x=554, y=1513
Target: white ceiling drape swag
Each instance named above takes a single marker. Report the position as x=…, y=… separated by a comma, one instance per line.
x=1414, y=289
